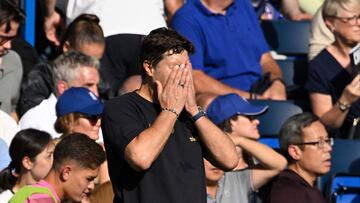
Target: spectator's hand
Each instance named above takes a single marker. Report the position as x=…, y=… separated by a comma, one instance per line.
x=172, y=94
x=351, y=92
x=51, y=24
x=276, y=91
x=191, y=105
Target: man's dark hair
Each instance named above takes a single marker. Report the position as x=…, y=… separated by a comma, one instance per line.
x=81, y=149
x=9, y=11
x=160, y=41
x=292, y=131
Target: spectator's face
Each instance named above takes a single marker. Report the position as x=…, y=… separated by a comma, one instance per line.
x=213, y=174
x=87, y=77
x=245, y=127
x=43, y=162
x=162, y=71
x=80, y=183
x=315, y=160
x=93, y=49
x=89, y=126
x=6, y=37
x=346, y=26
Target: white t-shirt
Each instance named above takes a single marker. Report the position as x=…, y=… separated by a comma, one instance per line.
x=8, y=127
x=6, y=196
x=119, y=16
x=41, y=117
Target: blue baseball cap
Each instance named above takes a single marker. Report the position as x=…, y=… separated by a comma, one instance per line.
x=79, y=100
x=225, y=106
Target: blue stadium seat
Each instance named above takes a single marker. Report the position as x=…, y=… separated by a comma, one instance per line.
x=345, y=159
x=345, y=188
x=276, y=115
x=286, y=36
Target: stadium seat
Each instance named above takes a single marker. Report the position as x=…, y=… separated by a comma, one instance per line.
x=287, y=37
x=344, y=188
x=276, y=115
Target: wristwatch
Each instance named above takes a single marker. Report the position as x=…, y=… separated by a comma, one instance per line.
x=342, y=106
x=200, y=114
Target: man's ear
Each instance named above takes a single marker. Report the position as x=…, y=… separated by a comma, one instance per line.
x=65, y=172
x=27, y=163
x=295, y=152
x=66, y=46
x=61, y=86
x=148, y=68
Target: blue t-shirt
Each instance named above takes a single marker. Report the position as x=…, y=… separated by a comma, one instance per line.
x=227, y=47
x=327, y=76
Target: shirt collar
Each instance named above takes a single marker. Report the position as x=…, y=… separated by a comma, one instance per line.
x=231, y=8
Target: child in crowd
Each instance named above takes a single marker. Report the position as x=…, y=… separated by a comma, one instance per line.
x=235, y=116
x=31, y=153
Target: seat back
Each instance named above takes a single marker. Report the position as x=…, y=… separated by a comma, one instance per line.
x=345, y=188
x=286, y=36
x=345, y=159
x=276, y=115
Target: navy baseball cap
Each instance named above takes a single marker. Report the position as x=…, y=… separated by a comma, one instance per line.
x=225, y=106
x=79, y=100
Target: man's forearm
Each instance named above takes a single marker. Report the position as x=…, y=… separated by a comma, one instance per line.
x=221, y=148
x=206, y=84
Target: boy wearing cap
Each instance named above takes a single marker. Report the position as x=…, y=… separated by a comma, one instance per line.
x=234, y=115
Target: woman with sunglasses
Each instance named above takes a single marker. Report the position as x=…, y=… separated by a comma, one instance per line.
x=235, y=116
x=333, y=85
x=79, y=110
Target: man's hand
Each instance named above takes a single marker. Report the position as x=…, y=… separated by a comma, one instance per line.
x=51, y=24
x=276, y=91
x=172, y=95
x=190, y=105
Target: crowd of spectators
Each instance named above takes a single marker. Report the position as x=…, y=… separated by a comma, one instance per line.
x=147, y=101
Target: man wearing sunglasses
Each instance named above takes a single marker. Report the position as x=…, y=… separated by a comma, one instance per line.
x=305, y=143
x=10, y=65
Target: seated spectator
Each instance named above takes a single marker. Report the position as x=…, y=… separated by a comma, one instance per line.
x=76, y=164
x=235, y=116
x=79, y=110
x=231, y=56
x=85, y=35
x=11, y=69
x=305, y=142
x=334, y=91
x=72, y=69
x=320, y=35
x=31, y=153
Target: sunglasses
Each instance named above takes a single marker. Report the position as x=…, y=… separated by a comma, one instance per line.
x=91, y=118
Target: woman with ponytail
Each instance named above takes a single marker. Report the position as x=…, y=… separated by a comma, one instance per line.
x=31, y=153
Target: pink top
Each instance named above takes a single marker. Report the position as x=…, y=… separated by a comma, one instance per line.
x=43, y=198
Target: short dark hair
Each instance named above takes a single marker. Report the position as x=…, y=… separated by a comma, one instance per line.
x=160, y=41
x=9, y=11
x=28, y=142
x=80, y=148
x=292, y=131
x=85, y=29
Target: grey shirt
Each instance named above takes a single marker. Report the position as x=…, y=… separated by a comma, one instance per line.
x=234, y=187
x=11, y=72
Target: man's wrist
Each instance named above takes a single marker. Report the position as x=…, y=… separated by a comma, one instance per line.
x=201, y=113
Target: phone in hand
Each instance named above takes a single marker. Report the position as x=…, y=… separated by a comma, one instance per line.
x=355, y=59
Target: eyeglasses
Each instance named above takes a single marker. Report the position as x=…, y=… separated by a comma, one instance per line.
x=319, y=144
x=92, y=119
x=349, y=20
x=5, y=39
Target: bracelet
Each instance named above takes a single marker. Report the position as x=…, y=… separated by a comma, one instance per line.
x=173, y=110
